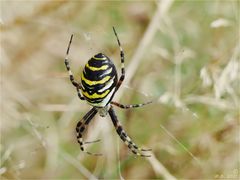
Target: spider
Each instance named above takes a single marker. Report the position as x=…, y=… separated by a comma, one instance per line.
x=99, y=83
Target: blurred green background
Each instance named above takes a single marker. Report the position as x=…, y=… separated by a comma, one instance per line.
x=182, y=54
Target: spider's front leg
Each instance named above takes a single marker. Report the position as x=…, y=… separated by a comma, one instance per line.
x=74, y=82
x=79, y=93
x=122, y=62
x=123, y=135
x=81, y=126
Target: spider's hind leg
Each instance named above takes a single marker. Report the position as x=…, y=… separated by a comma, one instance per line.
x=80, y=128
x=125, y=138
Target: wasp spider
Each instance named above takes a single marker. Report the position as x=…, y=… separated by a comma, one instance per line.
x=99, y=83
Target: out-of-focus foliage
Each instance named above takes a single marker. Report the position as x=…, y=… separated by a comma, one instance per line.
x=182, y=54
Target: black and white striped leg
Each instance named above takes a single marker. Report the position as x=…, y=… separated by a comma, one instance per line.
x=122, y=62
x=125, y=138
x=129, y=105
x=75, y=83
x=80, y=128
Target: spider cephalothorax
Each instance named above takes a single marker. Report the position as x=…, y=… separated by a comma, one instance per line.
x=99, y=83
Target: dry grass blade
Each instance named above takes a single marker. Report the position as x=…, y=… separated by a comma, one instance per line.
x=159, y=168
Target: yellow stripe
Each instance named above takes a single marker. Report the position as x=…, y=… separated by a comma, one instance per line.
x=95, y=95
x=103, y=58
x=91, y=83
x=104, y=67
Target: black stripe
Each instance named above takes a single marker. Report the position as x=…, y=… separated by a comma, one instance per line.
x=94, y=88
x=97, y=62
x=98, y=75
x=96, y=100
x=99, y=55
x=82, y=129
x=79, y=135
x=119, y=130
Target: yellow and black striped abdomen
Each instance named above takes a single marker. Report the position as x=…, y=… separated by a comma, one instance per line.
x=99, y=79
